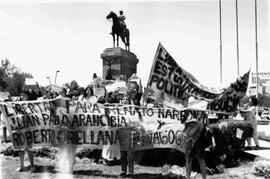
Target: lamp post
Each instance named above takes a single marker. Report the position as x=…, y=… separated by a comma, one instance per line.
x=49, y=79
x=56, y=76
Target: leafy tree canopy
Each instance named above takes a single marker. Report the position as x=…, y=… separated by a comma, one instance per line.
x=12, y=79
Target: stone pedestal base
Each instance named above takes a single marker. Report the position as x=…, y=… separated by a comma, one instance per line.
x=122, y=62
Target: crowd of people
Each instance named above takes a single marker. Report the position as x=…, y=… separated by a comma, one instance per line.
x=132, y=95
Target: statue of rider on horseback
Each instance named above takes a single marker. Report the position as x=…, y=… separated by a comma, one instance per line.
x=122, y=19
x=119, y=28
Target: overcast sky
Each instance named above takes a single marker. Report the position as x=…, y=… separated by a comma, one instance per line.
x=42, y=38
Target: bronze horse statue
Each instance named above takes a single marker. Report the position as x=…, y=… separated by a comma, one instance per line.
x=118, y=30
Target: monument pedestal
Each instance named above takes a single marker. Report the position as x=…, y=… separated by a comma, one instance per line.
x=122, y=62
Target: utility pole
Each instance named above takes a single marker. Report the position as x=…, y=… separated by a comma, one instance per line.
x=220, y=40
x=257, y=58
x=237, y=39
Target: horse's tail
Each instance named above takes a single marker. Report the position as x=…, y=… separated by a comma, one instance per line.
x=127, y=36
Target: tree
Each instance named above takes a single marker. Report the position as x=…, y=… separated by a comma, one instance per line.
x=7, y=67
x=3, y=83
x=16, y=83
x=11, y=78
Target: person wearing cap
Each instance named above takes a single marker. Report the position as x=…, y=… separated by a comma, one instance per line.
x=122, y=19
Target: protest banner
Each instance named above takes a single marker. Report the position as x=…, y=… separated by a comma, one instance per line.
x=4, y=96
x=135, y=78
x=115, y=86
x=171, y=83
x=59, y=122
x=152, y=133
x=123, y=90
x=99, y=92
x=56, y=88
x=91, y=125
x=228, y=100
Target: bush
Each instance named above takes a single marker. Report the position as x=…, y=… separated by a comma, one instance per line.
x=48, y=152
x=173, y=172
x=160, y=157
x=228, y=147
x=226, y=137
x=262, y=168
x=90, y=154
x=226, y=152
x=9, y=151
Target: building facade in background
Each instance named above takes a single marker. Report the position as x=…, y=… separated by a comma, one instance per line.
x=264, y=83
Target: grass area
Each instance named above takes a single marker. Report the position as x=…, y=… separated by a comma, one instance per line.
x=86, y=168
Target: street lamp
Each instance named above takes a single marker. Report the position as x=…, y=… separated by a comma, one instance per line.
x=49, y=79
x=56, y=76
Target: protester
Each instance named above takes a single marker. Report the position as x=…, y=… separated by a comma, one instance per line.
x=127, y=157
x=249, y=115
x=69, y=149
x=125, y=100
x=25, y=95
x=135, y=90
x=7, y=132
x=54, y=95
x=196, y=149
x=89, y=95
x=48, y=94
x=94, y=76
x=111, y=152
x=123, y=78
x=81, y=93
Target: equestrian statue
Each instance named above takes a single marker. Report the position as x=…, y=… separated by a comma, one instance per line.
x=119, y=29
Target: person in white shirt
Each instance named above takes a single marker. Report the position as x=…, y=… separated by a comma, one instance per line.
x=89, y=95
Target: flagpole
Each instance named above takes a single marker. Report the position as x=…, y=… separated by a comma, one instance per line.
x=220, y=41
x=256, y=39
x=237, y=39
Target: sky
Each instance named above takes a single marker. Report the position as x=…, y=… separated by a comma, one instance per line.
x=41, y=37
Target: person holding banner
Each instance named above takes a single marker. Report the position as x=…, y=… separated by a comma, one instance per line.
x=135, y=89
x=7, y=132
x=24, y=97
x=89, y=95
x=127, y=156
x=195, y=144
x=249, y=115
x=81, y=93
x=111, y=152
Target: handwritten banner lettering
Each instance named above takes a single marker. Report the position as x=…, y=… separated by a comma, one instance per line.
x=92, y=125
x=171, y=82
x=228, y=100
